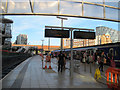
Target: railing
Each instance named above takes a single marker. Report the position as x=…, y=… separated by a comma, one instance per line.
x=113, y=78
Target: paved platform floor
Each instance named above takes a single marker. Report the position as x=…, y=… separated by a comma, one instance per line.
x=30, y=74
x=90, y=68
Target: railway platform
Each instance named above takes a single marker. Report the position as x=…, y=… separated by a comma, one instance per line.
x=29, y=74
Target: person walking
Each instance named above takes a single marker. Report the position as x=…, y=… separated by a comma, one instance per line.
x=102, y=58
x=61, y=59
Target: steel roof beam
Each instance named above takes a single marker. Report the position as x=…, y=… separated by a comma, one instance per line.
x=68, y=28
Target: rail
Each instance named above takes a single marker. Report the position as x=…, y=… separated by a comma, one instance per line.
x=11, y=59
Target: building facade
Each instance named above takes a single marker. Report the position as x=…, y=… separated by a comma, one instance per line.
x=5, y=32
x=111, y=35
x=78, y=42
x=104, y=35
x=21, y=39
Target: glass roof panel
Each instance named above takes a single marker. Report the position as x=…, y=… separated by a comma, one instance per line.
x=46, y=6
x=19, y=7
x=67, y=7
x=92, y=10
x=112, y=2
x=2, y=7
x=111, y=13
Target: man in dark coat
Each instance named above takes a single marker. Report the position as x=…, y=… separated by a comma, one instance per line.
x=61, y=59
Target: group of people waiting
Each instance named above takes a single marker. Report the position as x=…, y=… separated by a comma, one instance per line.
x=98, y=58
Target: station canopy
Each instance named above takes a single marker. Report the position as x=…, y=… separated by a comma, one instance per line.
x=93, y=9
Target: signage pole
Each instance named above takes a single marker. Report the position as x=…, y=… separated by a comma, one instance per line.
x=42, y=53
x=62, y=29
x=49, y=44
x=42, y=46
x=61, y=38
x=71, y=62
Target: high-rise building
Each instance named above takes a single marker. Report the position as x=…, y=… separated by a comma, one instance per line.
x=21, y=39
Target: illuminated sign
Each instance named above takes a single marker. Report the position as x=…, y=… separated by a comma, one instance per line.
x=56, y=33
x=84, y=35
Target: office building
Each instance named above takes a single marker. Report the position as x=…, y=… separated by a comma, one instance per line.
x=21, y=39
x=5, y=32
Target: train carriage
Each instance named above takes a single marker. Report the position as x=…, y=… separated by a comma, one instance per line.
x=109, y=49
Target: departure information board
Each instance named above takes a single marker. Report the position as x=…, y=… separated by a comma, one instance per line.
x=84, y=35
x=56, y=33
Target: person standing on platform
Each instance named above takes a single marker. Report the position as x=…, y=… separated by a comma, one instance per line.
x=84, y=57
x=61, y=59
x=95, y=57
x=64, y=60
x=102, y=61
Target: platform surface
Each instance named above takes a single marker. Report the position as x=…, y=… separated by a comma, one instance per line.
x=30, y=74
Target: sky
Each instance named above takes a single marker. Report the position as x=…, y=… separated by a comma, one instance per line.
x=34, y=27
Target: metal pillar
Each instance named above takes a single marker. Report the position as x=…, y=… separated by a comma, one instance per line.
x=62, y=29
x=42, y=53
x=85, y=66
x=49, y=44
x=61, y=38
x=90, y=68
x=71, y=62
x=42, y=46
